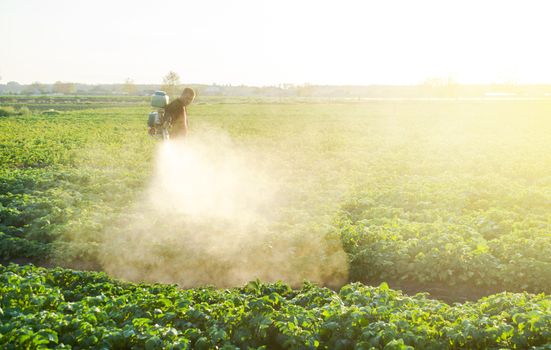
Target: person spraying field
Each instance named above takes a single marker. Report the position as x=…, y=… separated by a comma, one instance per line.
x=170, y=119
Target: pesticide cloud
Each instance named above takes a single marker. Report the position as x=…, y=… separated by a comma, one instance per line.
x=212, y=215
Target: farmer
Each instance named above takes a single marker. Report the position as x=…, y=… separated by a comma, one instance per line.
x=177, y=110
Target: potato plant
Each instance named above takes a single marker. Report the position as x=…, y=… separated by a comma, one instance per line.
x=59, y=308
x=424, y=196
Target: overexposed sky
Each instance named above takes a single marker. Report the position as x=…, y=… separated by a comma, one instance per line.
x=268, y=42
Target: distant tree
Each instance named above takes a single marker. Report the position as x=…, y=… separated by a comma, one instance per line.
x=129, y=87
x=13, y=87
x=305, y=90
x=57, y=88
x=64, y=88
x=35, y=88
x=171, y=82
x=99, y=90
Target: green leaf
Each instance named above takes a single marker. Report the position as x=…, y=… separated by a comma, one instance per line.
x=153, y=343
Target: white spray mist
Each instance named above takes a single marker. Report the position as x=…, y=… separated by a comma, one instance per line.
x=209, y=217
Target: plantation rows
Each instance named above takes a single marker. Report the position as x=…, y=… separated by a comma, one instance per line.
x=59, y=308
x=57, y=178
x=70, y=102
x=446, y=195
x=495, y=235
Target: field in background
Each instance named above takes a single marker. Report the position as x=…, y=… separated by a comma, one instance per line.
x=435, y=193
x=451, y=197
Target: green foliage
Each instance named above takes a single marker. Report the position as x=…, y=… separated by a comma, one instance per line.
x=7, y=111
x=456, y=195
x=420, y=234
x=69, y=102
x=64, y=308
x=56, y=181
x=459, y=198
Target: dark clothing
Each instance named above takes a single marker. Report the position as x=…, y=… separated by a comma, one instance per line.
x=177, y=111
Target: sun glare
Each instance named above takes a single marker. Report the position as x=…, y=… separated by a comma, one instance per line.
x=274, y=42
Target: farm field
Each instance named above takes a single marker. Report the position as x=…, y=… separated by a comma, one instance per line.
x=447, y=197
x=89, y=310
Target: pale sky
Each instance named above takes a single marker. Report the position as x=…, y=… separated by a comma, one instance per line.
x=358, y=42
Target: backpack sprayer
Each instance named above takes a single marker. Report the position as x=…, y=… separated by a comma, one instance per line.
x=159, y=122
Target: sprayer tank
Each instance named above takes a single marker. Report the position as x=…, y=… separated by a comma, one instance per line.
x=159, y=99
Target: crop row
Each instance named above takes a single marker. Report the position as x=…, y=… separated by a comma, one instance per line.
x=61, y=308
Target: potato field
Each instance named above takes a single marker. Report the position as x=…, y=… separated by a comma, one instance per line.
x=343, y=224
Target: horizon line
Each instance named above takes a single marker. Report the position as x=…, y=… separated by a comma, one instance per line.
x=441, y=83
